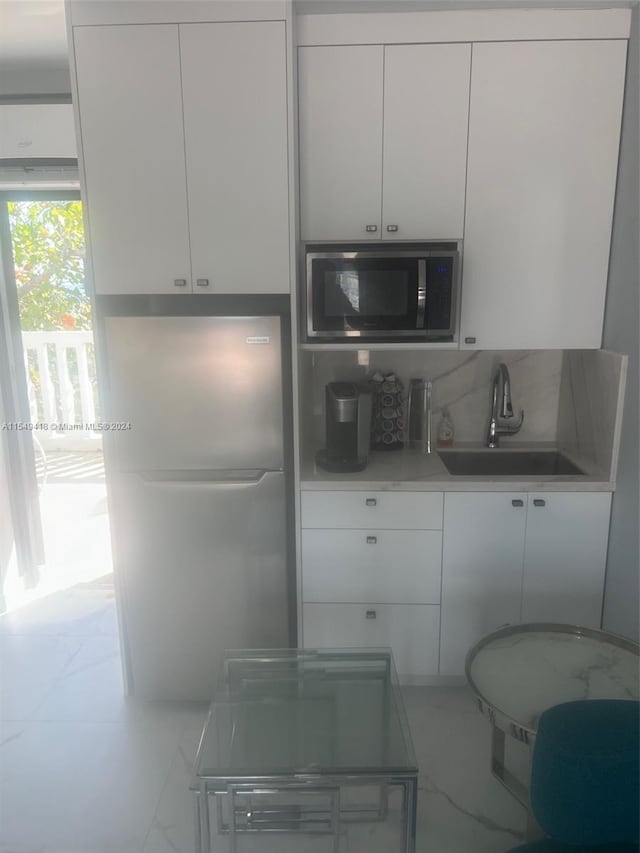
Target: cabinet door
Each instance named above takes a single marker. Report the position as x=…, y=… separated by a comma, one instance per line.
x=426, y=114
x=381, y=510
x=130, y=108
x=392, y=566
x=411, y=630
x=565, y=557
x=235, y=119
x=481, y=570
x=340, y=118
x=543, y=151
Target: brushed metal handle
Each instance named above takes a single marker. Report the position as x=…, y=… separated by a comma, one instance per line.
x=202, y=282
x=371, y=502
x=371, y=614
x=517, y=502
x=179, y=282
x=539, y=502
x=372, y=540
x=392, y=227
x=371, y=227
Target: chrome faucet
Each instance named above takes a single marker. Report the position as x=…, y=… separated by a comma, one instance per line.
x=504, y=422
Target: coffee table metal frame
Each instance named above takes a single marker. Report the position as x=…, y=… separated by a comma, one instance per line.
x=294, y=819
x=283, y=820
x=501, y=723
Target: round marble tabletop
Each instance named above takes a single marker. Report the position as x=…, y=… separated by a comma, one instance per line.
x=519, y=672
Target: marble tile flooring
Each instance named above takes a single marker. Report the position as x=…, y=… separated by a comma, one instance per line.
x=85, y=770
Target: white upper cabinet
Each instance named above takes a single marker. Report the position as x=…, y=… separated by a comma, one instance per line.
x=185, y=145
x=356, y=102
x=543, y=150
x=565, y=557
x=426, y=112
x=340, y=121
x=130, y=107
x=235, y=120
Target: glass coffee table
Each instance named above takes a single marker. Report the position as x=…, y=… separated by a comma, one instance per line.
x=305, y=742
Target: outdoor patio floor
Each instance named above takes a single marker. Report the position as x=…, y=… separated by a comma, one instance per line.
x=75, y=525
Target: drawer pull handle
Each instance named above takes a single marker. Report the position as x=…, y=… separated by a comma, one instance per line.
x=371, y=502
x=372, y=540
x=539, y=502
x=371, y=228
x=371, y=614
x=517, y=502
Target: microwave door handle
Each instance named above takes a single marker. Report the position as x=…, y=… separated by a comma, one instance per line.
x=422, y=293
x=427, y=419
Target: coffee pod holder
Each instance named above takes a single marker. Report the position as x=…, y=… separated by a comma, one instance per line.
x=389, y=416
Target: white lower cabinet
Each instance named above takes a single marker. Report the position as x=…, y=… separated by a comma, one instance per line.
x=388, y=566
x=391, y=569
x=565, y=557
x=510, y=558
x=371, y=574
x=482, y=570
x=411, y=630
x=383, y=510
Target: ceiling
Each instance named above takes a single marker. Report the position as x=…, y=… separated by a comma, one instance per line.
x=32, y=33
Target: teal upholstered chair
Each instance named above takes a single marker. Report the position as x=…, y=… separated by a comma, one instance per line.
x=585, y=778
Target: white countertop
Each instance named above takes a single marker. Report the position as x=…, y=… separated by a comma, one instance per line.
x=412, y=470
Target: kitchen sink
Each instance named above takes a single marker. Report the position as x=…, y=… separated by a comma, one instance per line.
x=507, y=463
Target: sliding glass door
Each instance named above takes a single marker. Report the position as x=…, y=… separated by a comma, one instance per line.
x=49, y=392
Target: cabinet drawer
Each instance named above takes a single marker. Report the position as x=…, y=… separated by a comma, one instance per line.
x=412, y=631
x=363, y=510
x=386, y=566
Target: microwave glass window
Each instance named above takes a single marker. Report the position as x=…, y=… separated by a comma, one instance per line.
x=370, y=293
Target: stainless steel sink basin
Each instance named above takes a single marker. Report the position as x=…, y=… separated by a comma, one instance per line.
x=507, y=463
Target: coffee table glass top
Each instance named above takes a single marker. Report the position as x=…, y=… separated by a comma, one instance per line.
x=304, y=711
x=522, y=671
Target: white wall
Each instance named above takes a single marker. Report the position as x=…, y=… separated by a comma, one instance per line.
x=621, y=334
x=20, y=80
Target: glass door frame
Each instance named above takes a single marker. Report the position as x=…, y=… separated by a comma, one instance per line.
x=23, y=484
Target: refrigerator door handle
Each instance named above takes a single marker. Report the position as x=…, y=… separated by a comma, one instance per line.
x=207, y=478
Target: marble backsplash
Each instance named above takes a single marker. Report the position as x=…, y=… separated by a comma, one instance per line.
x=591, y=402
x=461, y=381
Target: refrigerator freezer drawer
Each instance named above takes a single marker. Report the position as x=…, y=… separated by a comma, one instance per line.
x=203, y=569
x=199, y=392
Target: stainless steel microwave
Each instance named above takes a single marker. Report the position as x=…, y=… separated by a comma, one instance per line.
x=404, y=293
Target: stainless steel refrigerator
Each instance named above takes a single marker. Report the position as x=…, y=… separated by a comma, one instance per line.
x=197, y=494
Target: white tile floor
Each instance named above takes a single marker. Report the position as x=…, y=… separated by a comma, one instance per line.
x=84, y=770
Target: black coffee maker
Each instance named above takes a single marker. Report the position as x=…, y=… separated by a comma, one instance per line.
x=348, y=423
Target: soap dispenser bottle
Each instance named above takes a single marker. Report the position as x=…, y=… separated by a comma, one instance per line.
x=446, y=430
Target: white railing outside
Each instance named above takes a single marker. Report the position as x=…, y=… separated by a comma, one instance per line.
x=61, y=383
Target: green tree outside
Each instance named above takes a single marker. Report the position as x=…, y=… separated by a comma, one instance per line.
x=48, y=254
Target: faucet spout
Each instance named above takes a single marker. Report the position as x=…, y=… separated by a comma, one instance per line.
x=502, y=422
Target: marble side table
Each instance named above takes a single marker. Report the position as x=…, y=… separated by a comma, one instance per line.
x=518, y=672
